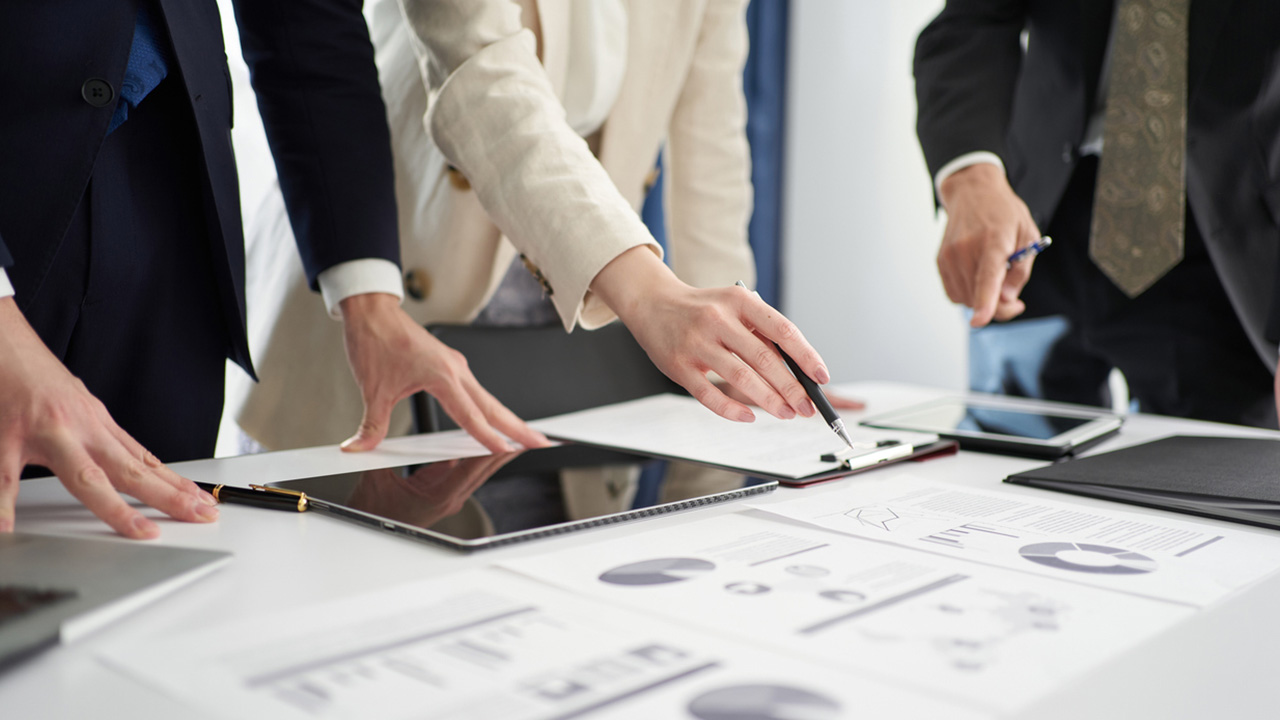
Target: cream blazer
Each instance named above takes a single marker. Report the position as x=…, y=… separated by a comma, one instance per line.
x=487, y=169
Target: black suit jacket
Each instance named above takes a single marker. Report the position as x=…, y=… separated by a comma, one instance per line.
x=317, y=86
x=978, y=90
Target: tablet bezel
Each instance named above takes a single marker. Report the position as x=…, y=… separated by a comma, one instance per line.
x=1101, y=425
x=396, y=527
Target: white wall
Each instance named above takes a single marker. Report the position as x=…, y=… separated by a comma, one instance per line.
x=859, y=230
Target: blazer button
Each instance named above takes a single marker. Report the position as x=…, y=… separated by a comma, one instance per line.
x=417, y=284
x=537, y=275
x=650, y=180
x=97, y=92
x=457, y=179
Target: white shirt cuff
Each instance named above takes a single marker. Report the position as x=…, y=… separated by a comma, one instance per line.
x=6, y=287
x=962, y=162
x=357, y=277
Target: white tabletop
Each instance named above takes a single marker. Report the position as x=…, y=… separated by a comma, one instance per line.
x=1221, y=663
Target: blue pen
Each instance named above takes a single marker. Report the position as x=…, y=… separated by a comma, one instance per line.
x=1031, y=250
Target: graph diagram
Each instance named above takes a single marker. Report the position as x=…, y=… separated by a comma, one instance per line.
x=763, y=702
x=661, y=571
x=1088, y=558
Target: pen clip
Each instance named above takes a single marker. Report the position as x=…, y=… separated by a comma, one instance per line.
x=303, y=501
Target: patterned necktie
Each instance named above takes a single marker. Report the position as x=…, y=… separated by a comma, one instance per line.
x=1139, y=206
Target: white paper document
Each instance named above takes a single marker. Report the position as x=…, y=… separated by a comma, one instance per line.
x=983, y=636
x=681, y=427
x=490, y=645
x=1180, y=561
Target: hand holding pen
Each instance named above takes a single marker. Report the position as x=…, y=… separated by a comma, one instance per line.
x=814, y=392
x=986, y=223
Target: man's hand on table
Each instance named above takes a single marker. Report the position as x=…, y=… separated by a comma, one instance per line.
x=986, y=223
x=48, y=417
x=689, y=332
x=392, y=357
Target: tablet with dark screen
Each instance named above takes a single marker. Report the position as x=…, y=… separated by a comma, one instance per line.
x=493, y=500
x=1006, y=425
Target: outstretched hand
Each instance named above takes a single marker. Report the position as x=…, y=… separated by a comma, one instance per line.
x=986, y=223
x=689, y=332
x=392, y=357
x=49, y=418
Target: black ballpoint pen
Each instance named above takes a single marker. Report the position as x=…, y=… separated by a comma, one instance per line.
x=258, y=496
x=815, y=394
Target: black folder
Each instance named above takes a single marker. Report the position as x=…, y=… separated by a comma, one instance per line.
x=1229, y=478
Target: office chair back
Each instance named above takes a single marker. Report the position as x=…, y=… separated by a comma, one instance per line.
x=542, y=371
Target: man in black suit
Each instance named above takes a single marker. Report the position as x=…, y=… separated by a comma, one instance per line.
x=1020, y=107
x=121, y=247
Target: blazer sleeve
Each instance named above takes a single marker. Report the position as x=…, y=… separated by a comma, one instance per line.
x=708, y=192
x=966, y=68
x=312, y=66
x=495, y=117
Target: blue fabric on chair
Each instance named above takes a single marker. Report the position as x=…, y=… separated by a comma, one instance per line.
x=1007, y=358
x=148, y=64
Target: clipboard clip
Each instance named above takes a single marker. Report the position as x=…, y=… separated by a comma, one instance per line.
x=846, y=455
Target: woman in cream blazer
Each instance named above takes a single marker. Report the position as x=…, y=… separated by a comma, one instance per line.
x=569, y=205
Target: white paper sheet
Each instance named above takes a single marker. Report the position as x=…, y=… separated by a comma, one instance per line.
x=490, y=645
x=1188, y=562
x=681, y=427
x=985, y=636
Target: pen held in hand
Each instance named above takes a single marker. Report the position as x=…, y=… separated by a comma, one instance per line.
x=814, y=392
x=1029, y=251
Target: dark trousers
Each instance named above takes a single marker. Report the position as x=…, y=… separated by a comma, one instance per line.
x=130, y=303
x=1179, y=344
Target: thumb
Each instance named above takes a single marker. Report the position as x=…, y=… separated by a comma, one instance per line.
x=373, y=426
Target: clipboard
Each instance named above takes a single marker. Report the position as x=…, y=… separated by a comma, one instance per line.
x=852, y=465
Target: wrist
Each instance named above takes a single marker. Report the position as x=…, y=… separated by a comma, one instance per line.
x=974, y=178
x=363, y=307
x=632, y=279
x=13, y=324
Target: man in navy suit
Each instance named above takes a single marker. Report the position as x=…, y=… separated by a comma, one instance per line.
x=122, y=289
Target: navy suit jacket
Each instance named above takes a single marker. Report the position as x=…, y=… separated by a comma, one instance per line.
x=978, y=90
x=313, y=71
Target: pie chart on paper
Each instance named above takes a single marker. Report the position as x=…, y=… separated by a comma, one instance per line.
x=763, y=702
x=1088, y=558
x=661, y=571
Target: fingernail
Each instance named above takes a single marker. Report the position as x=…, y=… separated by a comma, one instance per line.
x=204, y=512
x=745, y=416
x=824, y=377
x=206, y=498
x=144, y=527
x=806, y=409
x=787, y=412
x=349, y=444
